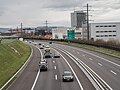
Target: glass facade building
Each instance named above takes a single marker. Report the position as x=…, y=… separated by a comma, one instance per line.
x=78, y=18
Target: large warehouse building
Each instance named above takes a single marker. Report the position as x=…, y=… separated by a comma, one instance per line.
x=105, y=31
x=59, y=33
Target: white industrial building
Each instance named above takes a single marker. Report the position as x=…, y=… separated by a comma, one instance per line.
x=78, y=33
x=59, y=32
x=105, y=31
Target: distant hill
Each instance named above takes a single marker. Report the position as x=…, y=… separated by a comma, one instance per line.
x=4, y=29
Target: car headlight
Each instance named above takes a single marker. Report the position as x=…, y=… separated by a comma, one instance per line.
x=71, y=77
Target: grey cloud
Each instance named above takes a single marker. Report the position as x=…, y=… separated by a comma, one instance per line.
x=62, y=4
x=36, y=11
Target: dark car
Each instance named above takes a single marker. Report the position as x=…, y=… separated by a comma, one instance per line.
x=47, y=55
x=50, y=42
x=30, y=41
x=39, y=44
x=67, y=76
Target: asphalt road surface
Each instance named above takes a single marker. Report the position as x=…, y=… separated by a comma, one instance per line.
x=25, y=79
x=105, y=67
x=52, y=79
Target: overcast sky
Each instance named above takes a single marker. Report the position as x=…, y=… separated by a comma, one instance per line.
x=57, y=12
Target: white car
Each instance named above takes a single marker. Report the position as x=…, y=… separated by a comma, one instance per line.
x=47, y=49
x=25, y=40
x=43, y=66
x=67, y=76
x=47, y=46
x=41, y=47
x=56, y=55
x=35, y=43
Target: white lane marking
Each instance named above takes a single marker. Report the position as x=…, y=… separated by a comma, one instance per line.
x=54, y=67
x=100, y=64
x=35, y=80
x=83, y=64
x=73, y=72
x=55, y=77
x=85, y=73
x=78, y=52
x=53, y=61
x=38, y=71
x=90, y=58
x=98, y=57
x=113, y=72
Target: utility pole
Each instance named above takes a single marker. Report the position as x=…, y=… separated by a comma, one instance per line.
x=21, y=30
x=11, y=31
x=46, y=25
x=87, y=22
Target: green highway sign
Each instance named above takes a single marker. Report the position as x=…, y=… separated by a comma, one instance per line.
x=70, y=34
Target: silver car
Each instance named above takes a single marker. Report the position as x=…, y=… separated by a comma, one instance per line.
x=56, y=55
x=67, y=76
x=41, y=47
x=43, y=66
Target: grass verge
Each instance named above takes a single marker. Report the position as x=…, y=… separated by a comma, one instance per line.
x=10, y=61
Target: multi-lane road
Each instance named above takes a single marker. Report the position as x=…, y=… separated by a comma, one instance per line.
x=91, y=70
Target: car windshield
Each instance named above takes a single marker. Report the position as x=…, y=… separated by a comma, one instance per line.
x=67, y=73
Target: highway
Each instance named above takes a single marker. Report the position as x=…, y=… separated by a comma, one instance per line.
x=91, y=70
x=24, y=80
x=52, y=79
x=108, y=68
